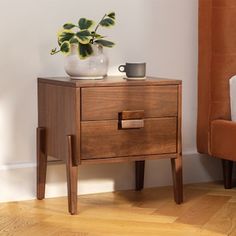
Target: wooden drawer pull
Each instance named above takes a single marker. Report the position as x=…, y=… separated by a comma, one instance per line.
x=131, y=119
x=132, y=124
x=131, y=115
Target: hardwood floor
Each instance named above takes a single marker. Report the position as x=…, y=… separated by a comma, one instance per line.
x=208, y=209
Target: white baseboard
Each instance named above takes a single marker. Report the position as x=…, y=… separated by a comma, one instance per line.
x=33, y=164
x=17, y=181
x=18, y=166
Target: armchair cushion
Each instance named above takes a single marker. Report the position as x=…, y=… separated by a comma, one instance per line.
x=223, y=139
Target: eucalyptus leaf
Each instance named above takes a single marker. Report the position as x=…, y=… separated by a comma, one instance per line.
x=85, y=50
x=68, y=26
x=65, y=47
x=112, y=15
x=85, y=23
x=84, y=36
x=65, y=35
x=105, y=43
x=107, y=22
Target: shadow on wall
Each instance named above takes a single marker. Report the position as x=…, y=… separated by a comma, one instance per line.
x=92, y=178
x=120, y=176
x=202, y=168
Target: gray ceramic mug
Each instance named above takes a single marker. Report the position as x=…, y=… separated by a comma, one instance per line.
x=133, y=70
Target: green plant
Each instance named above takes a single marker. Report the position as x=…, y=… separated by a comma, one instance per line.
x=84, y=34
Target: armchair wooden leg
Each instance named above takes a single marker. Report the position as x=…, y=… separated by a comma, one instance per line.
x=72, y=178
x=139, y=174
x=227, y=173
x=177, y=179
x=41, y=162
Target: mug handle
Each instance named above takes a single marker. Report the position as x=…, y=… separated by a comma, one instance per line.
x=120, y=68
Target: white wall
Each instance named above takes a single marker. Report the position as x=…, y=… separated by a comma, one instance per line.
x=161, y=32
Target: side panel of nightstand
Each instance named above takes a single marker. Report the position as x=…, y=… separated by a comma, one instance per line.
x=176, y=163
x=179, y=127
x=59, y=114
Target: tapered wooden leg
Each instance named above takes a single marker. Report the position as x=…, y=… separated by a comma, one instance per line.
x=177, y=179
x=41, y=162
x=72, y=178
x=227, y=173
x=139, y=174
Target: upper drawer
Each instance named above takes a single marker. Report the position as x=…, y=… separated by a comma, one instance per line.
x=104, y=103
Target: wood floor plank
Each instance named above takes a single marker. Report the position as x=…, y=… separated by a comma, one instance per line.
x=203, y=210
x=169, y=208
x=39, y=229
x=120, y=227
x=224, y=221
x=208, y=210
x=135, y=214
x=15, y=224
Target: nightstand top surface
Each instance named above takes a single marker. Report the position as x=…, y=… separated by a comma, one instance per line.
x=107, y=81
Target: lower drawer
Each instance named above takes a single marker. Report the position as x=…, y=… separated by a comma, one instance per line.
x=103, y=139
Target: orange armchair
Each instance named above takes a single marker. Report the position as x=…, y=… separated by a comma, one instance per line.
x=216, y=134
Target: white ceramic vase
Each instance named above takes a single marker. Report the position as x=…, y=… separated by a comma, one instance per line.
x=93, y=67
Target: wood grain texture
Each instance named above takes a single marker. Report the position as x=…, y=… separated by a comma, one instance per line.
x=132, y=124
x=59, y=113
x=177, y=179
x=129, y=158
x=41, y=162
x=179, y=121
x=72, y=177
x=176, y=164
x=132, y=115
x=102, y=103
x=157, y=137
x=200, y=213
x=110, y=120
x=109, y=81
x=223, y=221
x=207, y=211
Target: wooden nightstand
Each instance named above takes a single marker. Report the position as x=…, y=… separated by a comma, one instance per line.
x=110, y=120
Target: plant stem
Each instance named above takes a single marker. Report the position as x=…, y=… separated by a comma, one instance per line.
x=95, y=31
x=55, y=52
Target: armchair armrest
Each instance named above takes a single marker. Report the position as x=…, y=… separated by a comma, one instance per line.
x=223, y=139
